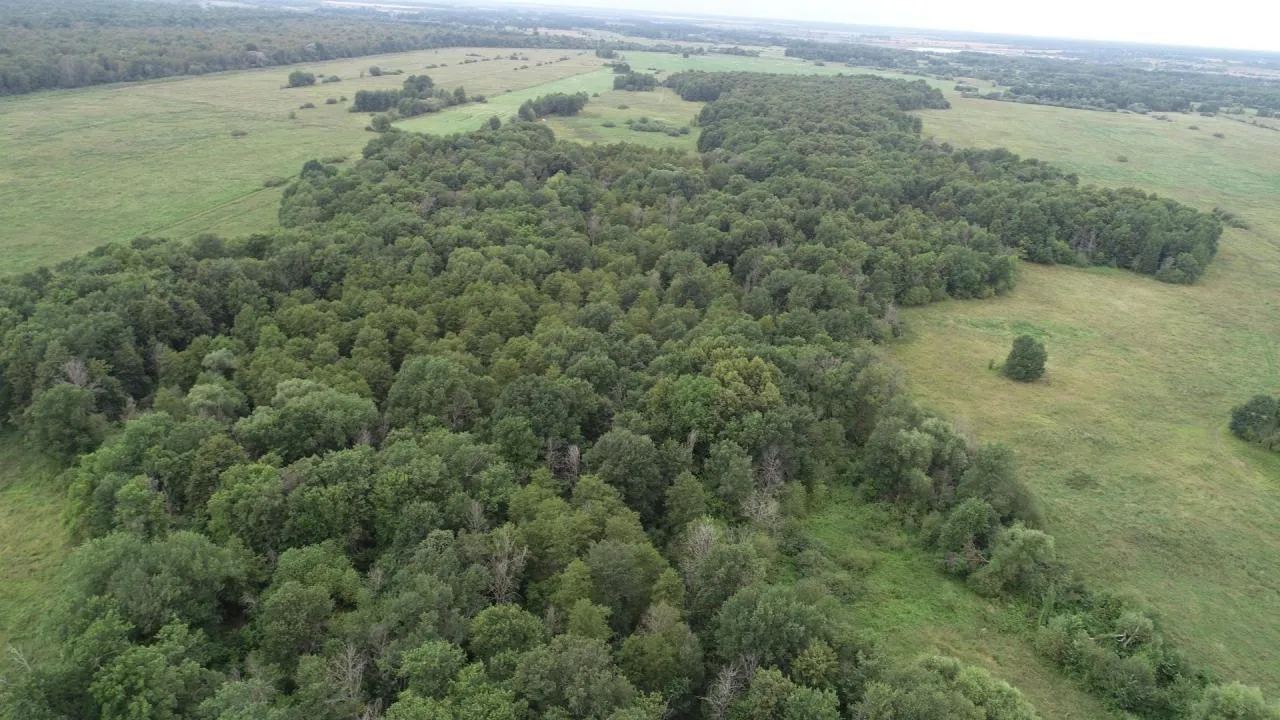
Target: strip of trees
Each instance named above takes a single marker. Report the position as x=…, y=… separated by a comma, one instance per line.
x=76, y=43
x=1084, y=81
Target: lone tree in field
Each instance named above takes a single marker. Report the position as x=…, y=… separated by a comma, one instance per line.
x=297, y=78
x=1026, y=360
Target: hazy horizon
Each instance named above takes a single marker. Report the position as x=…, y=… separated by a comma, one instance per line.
x=1234, y=24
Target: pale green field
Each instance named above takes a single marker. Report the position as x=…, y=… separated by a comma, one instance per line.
x=619, y=106
x=1125, y=440
x=33, y=540
x=659, y=104
x=86, y=167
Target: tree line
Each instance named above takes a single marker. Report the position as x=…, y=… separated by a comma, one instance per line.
x=1032, y=207
x=501, y=426
x=1085, y=82
x=77, y=43
x=564, y=104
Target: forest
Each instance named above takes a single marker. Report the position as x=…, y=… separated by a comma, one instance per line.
x=76, y=43
x=1079, y=82
x=501, y=426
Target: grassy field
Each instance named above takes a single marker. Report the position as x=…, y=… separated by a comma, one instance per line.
x=916, y=610
x=33, y=540
x=81, y=168
x=1125, y=440
x=587, y=127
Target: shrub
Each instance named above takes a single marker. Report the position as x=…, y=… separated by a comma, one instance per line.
x=297, y=78
x=239, y=133
x=1219, y=135
x=331, y=79
x=1026, y=359
x=1122, y=158
x=306, y=106
x=331, y=101
x=274, y=181
x=1255, y=421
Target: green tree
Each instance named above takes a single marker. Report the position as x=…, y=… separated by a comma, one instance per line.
x=663, y=655
x=992, y=476
x=429, y=391
x=1026, y=359
x=1233, y=702
x=938, y=687
x=250, y=505
x=573, y=675
x=1023, y=562
x=504, y=628
x=304, y=418
x=62, y=422
x=162, y=681
x=770, y=622
x=631, y=463
x=298, y=78
x=1256, y=420
x=291, y=621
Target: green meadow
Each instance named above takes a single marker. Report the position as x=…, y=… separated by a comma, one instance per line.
x=82, y=168
x=1125, y=441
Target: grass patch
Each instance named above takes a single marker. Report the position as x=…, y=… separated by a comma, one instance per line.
x=1124, y=441
x=33, y=541
x=915, y=609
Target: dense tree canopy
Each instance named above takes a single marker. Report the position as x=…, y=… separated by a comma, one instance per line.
x=496, y=425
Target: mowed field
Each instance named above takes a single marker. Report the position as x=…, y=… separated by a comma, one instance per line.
x=86, y=167
x=1125, y=439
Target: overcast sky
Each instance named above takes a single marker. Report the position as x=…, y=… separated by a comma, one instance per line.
x=1248, y=24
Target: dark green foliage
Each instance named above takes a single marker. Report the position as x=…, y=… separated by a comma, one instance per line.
x=936, y=687
x=1257, y=421
x=76, y=43
x=1026, y=359
x=417, y=96
x=634, y=81
x=495, y=425
x=1234, y=702
x=552, y=104
x=62, y=422
x=298, y=78
x=992, y=477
